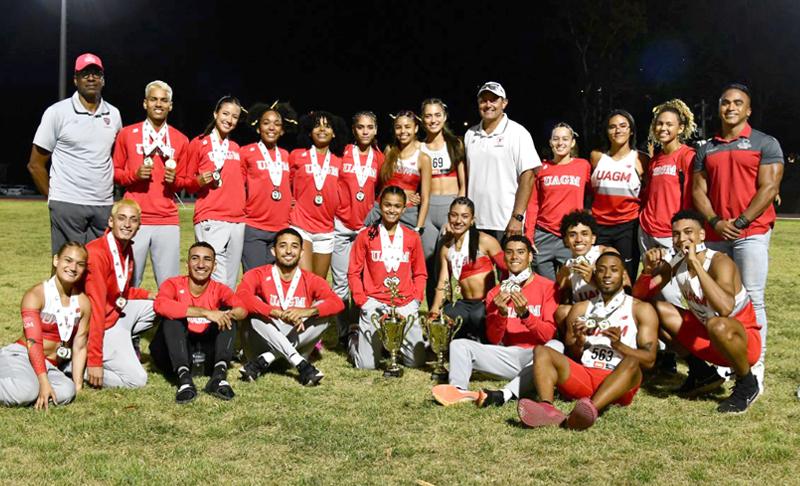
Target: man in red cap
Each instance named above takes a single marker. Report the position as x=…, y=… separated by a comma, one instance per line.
x=76, y=135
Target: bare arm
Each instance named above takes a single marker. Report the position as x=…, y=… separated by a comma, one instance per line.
x=718, y=285
x=575, y=331
x=441, y=285
x=425, y=172
x=769, y=184
x=79, y=344
x=524, y=188
x=37, y=166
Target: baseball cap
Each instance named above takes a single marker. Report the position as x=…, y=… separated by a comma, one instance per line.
x=88, y=59
x=493, y=87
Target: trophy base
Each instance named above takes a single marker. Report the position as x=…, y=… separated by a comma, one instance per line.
x=440, y=377
x=393, y=373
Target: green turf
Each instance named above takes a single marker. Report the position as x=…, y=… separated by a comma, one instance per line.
x=358, y=428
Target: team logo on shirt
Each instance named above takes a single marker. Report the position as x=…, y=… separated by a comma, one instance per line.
x=262, y=165
x=744, y=144
x=291, y=302
x=536, y=310
x=563, y=180
x=665, y=170
x=376, y=256
x=334, y=171
x=349, y=169
x=107, y=120
x=608, y=175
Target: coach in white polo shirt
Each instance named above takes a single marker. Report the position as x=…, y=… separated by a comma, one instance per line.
x=77, y=135
x=501, y=161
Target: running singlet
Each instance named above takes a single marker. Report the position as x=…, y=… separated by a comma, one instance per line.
x=616, y=190
x=406, y=173
x=581, y=289
x=52, y=307
x=441, y=164
x=693, y=292
x=598, y=352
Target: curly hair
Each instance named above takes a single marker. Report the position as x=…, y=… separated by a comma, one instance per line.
x=685, y=118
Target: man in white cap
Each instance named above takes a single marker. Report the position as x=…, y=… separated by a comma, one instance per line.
x=501, y=163
x=76, y=135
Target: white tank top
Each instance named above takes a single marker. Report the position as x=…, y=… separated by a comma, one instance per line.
x=617, y=177
x=441, y=164
x=408, y=166
x=53, y=312
x=597, y=352
x=581, y=289
x=692, y=292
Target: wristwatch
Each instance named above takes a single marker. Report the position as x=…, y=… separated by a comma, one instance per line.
x=519, y=217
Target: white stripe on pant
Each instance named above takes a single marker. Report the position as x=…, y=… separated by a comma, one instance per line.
x=366, y=348
x=19, y=385
x=503, y=362
x=228, y=240
x=283, y=339
x=164, y=244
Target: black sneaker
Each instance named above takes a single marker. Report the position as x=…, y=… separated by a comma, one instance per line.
x=219, y=388
x=490, y=397
x=666, y=363
x=253, y=369
x=186, y=393
x=309, y=375
x=745, y=392
x=702, y=378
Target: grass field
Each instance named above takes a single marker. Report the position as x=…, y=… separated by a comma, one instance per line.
x=359, y=428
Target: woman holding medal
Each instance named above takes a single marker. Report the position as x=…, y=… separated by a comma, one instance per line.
x=448, y=179
x=315, y=188
x=55, y=322
x=269, y=198
x=361, y=163
x=469, y=256
x=218, y=179
x=387, y=269
x=407, y=167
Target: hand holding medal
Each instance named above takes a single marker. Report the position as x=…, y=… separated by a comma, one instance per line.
x=169, y=170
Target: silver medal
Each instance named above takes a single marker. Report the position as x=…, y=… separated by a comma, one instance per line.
x=148, y=161
x=318, y=199
x=360, y=196
x=121, y=302
x=217, y=177
x=276, y=195
x=63, y=352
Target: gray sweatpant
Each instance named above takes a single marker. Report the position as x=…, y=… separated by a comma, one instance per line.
x=76, y=222
x=366, y=348
x=503, y=362
x=121, y=367
x=551, y=253
x=18, y=383
x=282, y=339
x=438, y=209
x=256, y=247
x=343, y=238
x=163, y=241
x=228, y=241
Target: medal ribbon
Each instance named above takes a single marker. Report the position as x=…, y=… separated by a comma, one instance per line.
x=362, y=171
x=319, y=173
x=276, y=278
x=275, y=167
x=219, y=150
x=517, y=279
x=391, y=251
x=120, y=273
x=66, y=317
x=152, y=140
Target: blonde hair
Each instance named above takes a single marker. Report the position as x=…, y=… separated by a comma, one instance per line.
x=685, y=118
x=160, y=85
x=130, y=203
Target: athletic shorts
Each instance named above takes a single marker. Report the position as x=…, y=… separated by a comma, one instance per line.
x=320, y=242
x=693, y=336
x=583, y=382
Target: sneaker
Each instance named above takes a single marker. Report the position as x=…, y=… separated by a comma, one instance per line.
x=309, y=375
x=219, y=388
x=539, y=414
x=186, y=393
x=745, y=392
x=583, y=416
x=702, y=378
x=253, y=369
x=450, y=395
x=490, y=397
x=667, y=363
x=758, y=370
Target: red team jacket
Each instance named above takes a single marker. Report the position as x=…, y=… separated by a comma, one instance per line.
x=540, y=325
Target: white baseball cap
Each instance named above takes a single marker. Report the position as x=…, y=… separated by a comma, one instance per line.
x=493, y=87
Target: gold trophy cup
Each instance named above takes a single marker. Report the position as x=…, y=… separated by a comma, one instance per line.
x=439, y=331
x=392, y=329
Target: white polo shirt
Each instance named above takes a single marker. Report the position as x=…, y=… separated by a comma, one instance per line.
x=495, y=162
x=81, y=170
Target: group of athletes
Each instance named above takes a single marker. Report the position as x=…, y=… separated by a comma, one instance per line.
x=549, y=299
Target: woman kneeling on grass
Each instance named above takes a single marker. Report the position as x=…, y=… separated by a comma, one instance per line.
x=55, y=322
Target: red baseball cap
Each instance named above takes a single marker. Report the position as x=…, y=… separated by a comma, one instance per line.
x=88, y=59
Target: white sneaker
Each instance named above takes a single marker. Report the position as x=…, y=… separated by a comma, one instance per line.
x=758, y=370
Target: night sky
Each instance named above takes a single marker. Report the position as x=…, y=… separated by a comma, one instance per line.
x=386, y=56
